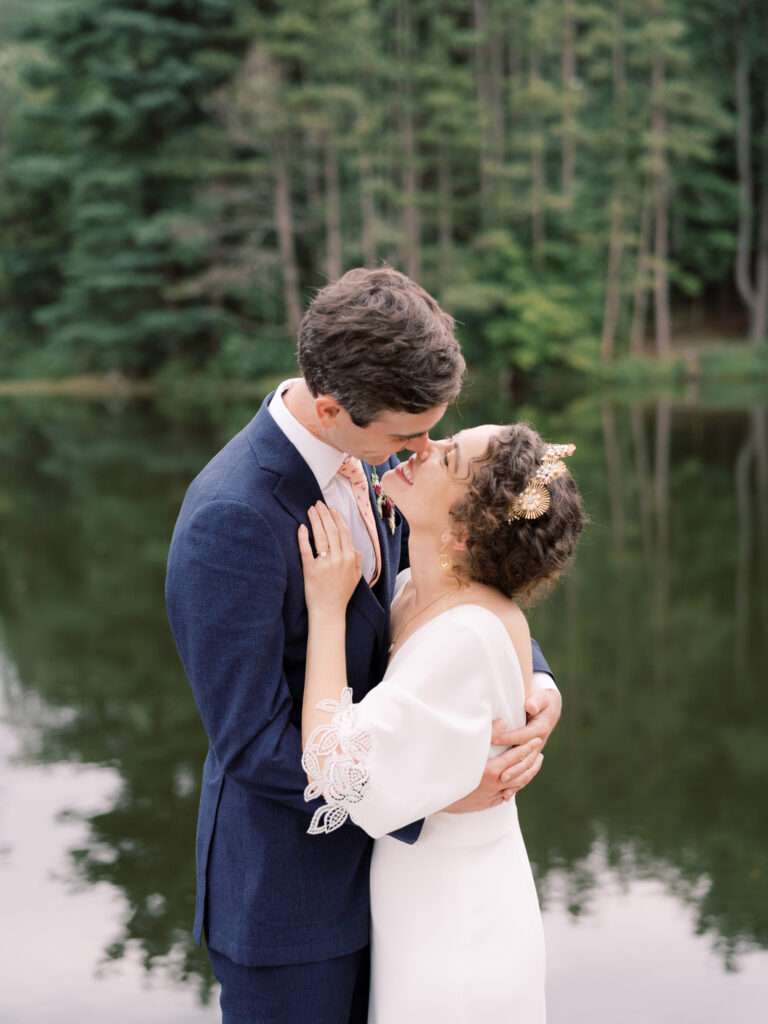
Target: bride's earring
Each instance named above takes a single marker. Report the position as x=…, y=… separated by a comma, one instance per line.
x=446, y=562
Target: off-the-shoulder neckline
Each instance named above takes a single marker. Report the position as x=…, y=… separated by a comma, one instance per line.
x=454, y=608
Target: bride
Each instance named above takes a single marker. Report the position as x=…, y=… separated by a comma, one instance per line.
x=494, y=515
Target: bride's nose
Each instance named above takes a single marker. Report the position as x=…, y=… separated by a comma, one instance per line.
x=429, y=447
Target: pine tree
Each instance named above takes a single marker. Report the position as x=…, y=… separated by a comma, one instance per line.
x=124, y=85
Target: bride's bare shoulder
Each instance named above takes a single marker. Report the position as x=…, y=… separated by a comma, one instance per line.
x=507, y=610
x=510, y=613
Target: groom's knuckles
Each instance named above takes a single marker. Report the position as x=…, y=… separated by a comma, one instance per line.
x=502, y=734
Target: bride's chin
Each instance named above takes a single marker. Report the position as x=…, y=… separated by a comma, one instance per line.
x=395, y=488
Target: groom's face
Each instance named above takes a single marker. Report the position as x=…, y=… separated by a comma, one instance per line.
x=391, y=431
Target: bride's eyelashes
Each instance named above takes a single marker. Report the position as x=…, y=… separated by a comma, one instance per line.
x=448, y=451
x=453, y=450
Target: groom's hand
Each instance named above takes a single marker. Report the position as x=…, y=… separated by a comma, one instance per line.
x=506, y=774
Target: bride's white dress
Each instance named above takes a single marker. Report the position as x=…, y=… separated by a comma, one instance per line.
x=456, y=927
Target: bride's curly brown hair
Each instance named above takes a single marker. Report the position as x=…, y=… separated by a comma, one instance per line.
x=525, y=557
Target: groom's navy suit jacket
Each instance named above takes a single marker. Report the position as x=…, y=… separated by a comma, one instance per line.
x=268, y=893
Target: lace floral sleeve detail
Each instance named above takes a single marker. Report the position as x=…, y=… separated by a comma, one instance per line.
x=334, y=760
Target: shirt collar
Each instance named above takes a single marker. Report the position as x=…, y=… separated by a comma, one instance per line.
x=323, y=459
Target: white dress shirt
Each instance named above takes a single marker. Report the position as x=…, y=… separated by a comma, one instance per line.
x=324, y=461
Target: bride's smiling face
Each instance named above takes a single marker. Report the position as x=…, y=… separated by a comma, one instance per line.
x=426, y=486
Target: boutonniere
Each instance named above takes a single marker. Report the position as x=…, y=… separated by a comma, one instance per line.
x=384, y=504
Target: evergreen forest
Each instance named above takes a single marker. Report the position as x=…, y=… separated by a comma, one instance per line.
x=577, y=181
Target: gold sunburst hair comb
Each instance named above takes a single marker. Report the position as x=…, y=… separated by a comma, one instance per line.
x=536, y=498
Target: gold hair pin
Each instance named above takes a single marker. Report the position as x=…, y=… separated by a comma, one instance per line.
x=536, y=499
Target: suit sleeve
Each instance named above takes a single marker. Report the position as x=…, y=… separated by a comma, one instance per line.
x=224, y=591
x=543, y=676
x=415, y=743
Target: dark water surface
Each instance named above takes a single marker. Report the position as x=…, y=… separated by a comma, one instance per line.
x=648, y=827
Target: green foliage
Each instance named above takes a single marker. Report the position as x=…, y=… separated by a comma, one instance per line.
x=511, y=316
x=99, y=188
x=178, y=177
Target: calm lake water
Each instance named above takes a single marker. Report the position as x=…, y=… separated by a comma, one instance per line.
x=647, y=828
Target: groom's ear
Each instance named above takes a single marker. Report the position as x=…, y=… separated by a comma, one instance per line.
x=327, y=410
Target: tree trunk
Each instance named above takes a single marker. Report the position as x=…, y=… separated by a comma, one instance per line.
x=480, y=11
x=744, y=164
x=640, y=290
x=612, y=307
x=613, y=285
x=367, y=211
x=313, y=181
x=445, y=217
x=286, y=239
x=411, y=220
x=568, y=75
x=537, y=172
x=618, y=62
x=759, y=330
x=661, y=213
x=496, y=86
x=759, y=326
x=333, y=257
x=489, y=73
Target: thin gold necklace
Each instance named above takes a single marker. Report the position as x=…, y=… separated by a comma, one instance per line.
x=395, y=639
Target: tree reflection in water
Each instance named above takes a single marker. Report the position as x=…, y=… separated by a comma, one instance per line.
x=658, y=637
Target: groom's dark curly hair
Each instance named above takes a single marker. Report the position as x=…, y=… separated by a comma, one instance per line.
x=376, y=340
x=522, y=558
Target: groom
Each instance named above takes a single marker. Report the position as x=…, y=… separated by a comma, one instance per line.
x=286, y=917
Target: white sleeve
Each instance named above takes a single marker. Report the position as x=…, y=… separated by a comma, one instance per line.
x=415, y=744
x=544, y=681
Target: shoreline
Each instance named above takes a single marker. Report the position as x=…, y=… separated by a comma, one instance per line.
x=106, y=385
x=116, y=385
x=688, y=364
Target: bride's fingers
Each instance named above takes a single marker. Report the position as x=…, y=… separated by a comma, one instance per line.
x=331, y=529
x=305, y=548
x=319, y=536
x=513, y=774
x=522, y=780
x=509, y=763
x=346, y=544
x=323, y=544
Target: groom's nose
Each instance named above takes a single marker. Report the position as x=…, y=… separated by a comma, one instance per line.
x=419, y=444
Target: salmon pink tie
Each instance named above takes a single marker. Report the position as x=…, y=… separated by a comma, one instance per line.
x=352, y=469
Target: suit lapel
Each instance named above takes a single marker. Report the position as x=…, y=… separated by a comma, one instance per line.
x=296, y=489
x=384, y=583
x=295, y=485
